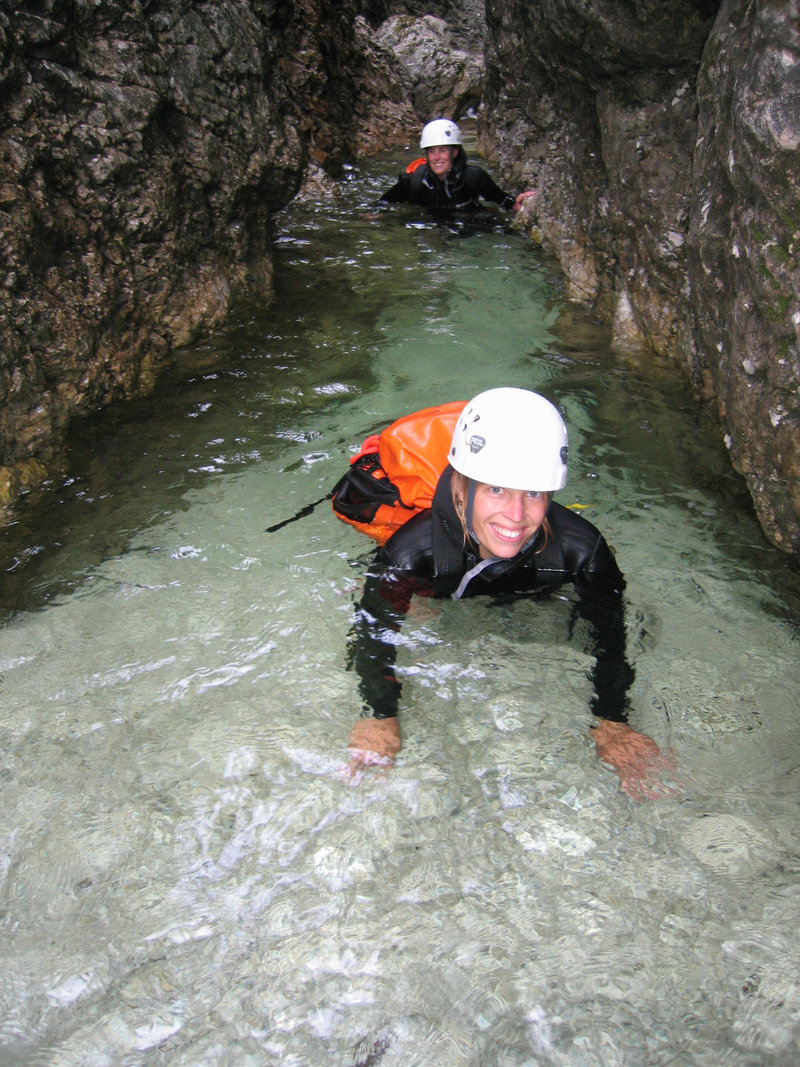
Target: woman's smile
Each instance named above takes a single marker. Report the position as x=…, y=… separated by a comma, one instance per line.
x=506, y=534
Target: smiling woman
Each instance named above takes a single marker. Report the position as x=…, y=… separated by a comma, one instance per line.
x=503, y=520
x=444, y=180
x=493, y=529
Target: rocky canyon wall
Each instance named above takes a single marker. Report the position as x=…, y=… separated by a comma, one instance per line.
x=144, y=146
x=663, y=139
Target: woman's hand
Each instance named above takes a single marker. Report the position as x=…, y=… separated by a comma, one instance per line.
x=522, y=198
x=635, y=757
x=373, y=743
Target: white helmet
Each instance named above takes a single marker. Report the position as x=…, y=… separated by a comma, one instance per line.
x=511, y=438
x=439, y=132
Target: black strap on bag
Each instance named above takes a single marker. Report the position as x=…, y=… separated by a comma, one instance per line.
x=356, y=496
x=363, y=489
x=301, y=513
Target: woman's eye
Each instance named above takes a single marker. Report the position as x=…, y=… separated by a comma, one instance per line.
x=534, y=494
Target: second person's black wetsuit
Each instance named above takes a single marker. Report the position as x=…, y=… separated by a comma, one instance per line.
x=463, y=188
x=428, y=557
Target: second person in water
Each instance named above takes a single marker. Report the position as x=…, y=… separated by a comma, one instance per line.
x=444, y=180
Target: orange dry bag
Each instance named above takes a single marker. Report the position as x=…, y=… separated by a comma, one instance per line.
x=394, y=475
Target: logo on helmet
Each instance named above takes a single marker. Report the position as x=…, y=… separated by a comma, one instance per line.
x=476, y=443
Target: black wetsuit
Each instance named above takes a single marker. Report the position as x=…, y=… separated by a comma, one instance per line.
x=463, y=188
x=428, y=557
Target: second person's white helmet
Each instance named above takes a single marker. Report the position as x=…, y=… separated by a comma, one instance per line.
x=512, y=438
x=440, y=132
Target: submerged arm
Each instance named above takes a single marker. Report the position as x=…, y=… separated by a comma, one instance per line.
x=373, y=639
x=612, y=674
x=372, y=652
x=634, y=756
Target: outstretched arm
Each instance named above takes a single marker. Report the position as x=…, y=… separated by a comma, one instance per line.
x=491, y=191
x=375, y=739
x=636, y=758
x=398, y=194
x=612, y=675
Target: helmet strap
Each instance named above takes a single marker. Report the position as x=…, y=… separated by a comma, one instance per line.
x=472, y=488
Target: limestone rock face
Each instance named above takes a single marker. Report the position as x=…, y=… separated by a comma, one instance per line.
x=744, y=249
x=382, y=106
x=143, y=148
x=663, y=140
x=442, y=78
x=465, y=19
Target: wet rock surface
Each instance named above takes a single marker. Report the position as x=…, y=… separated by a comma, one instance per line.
x=743, y=245
x=143, y=149
x=663, y=140
x=442, y=78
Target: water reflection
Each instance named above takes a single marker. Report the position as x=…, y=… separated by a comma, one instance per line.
x=184, y=875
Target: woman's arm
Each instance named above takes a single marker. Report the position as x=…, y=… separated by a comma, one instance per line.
x=373, y=638
x=398, y=194
x=612, y=675
x=375, y=739
x=636, y=758
x=491, y=191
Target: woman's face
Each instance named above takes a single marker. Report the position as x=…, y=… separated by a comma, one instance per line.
x=440, y=159
x=503, y=520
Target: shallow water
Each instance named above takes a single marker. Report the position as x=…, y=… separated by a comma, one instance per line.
x=186, y=875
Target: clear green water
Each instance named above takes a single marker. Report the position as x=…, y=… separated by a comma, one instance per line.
x=186, y=877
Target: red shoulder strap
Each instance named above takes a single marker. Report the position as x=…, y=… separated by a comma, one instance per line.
x=414, y=164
